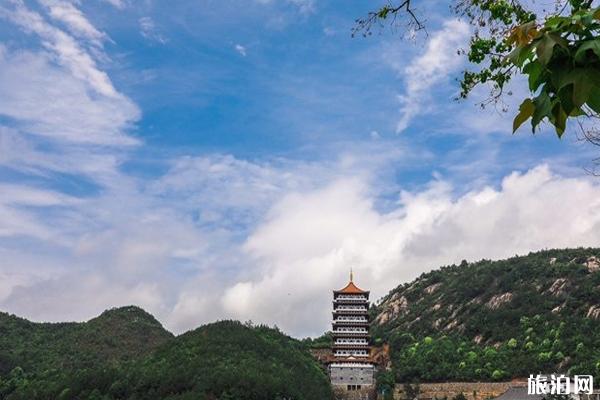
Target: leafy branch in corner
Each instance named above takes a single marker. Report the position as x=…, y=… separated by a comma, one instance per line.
x=558, y=52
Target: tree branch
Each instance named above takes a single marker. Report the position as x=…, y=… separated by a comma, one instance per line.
x=364, y=25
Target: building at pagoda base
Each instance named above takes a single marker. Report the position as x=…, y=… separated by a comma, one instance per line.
x=351, y=366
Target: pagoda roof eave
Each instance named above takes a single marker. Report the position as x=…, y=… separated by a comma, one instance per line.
x=351, y=288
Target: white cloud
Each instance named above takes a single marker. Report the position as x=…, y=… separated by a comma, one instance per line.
x=149, y=30
x=240, y=49
x=432, y=67
x=304, y=6
x=310, y=241
x=48, y=100
x=66, y=12
x=219, y=237
x=25, y=195
x=67, y=50
x=63, y=115
x=120, y=4
x=329, y=31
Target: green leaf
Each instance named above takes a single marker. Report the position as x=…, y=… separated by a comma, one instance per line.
x=544, y=48
x=534, y=70
x=593, y=101
x=525, y=111
x=565, y=96
x=543, y=108
x=559, y=120
x=577, y=112
x=559, y=40
x=587, y=19
x=593, y=45
x=520, y=54
x=383, y=12
x=583, y=80
x=559, y=76
x=581, y=90
x=554, y=22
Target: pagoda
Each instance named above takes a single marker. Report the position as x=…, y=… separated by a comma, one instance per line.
x=351, y=366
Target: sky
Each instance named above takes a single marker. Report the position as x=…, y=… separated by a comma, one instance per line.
x=235, y=159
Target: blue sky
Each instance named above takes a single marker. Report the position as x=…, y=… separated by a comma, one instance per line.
x=234, y=159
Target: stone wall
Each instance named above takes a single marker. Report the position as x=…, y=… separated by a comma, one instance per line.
x=448, y=390
x=351, y=375
x=363, y=394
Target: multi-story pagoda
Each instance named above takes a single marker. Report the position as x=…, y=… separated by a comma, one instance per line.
x=351, y=366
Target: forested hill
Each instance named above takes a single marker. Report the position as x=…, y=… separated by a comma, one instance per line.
x=126, y=354
x=117, y=335
x=496, y=319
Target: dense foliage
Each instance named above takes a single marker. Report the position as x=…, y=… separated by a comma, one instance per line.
x=325, y=341
x=561, y=59
x=228, y=360
x=125, y=354
x=115, y=336
x=496, y=320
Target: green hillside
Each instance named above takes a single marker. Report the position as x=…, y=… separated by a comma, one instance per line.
x=117, y=335
x=496, y=319
x=229, y=360
x=126, y=354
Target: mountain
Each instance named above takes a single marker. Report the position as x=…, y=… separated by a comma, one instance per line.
x=117, y=335
x=229, y=360
x=126, y=354
x=496, y=319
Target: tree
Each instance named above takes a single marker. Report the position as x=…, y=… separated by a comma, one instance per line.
x=385, y=384
x=558, y=51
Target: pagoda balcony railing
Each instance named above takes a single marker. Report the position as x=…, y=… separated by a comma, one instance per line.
x=353, y=348
x=349, y=311
x=350, y=308
x=344, y=340
x=342, y=344
x=350, y=323
x=349, y=319
x=351, y=334
x=342, y=363
x=341, y=299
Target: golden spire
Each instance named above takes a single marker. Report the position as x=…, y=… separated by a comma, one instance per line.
x=351, y=275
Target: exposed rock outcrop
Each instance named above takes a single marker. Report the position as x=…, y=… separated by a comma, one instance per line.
x=593, y=312
x=558, y=309
x=498, y=300
x=392, y=308
x=432, y=288
x=592, y=264
x=558, y=287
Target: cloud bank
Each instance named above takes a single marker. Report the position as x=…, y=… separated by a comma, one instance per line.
x=189, y=264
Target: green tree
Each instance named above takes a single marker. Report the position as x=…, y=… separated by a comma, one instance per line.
x=386, y=382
